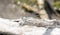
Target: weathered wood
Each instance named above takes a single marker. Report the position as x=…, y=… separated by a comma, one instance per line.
x=29, y=8
x=38, y=22
x=9, y=27
x=29, y=26
x=42, y=12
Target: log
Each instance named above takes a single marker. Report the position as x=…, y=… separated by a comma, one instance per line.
x=30, y=26
x=7, y=26
x=37, y=22
x=29, y=8
x=40, y=9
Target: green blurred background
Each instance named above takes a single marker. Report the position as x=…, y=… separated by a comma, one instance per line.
x=57, y=3
x=34, y=2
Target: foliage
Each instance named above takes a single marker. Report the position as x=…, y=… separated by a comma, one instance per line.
x=57, y=4
x=29, y=2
